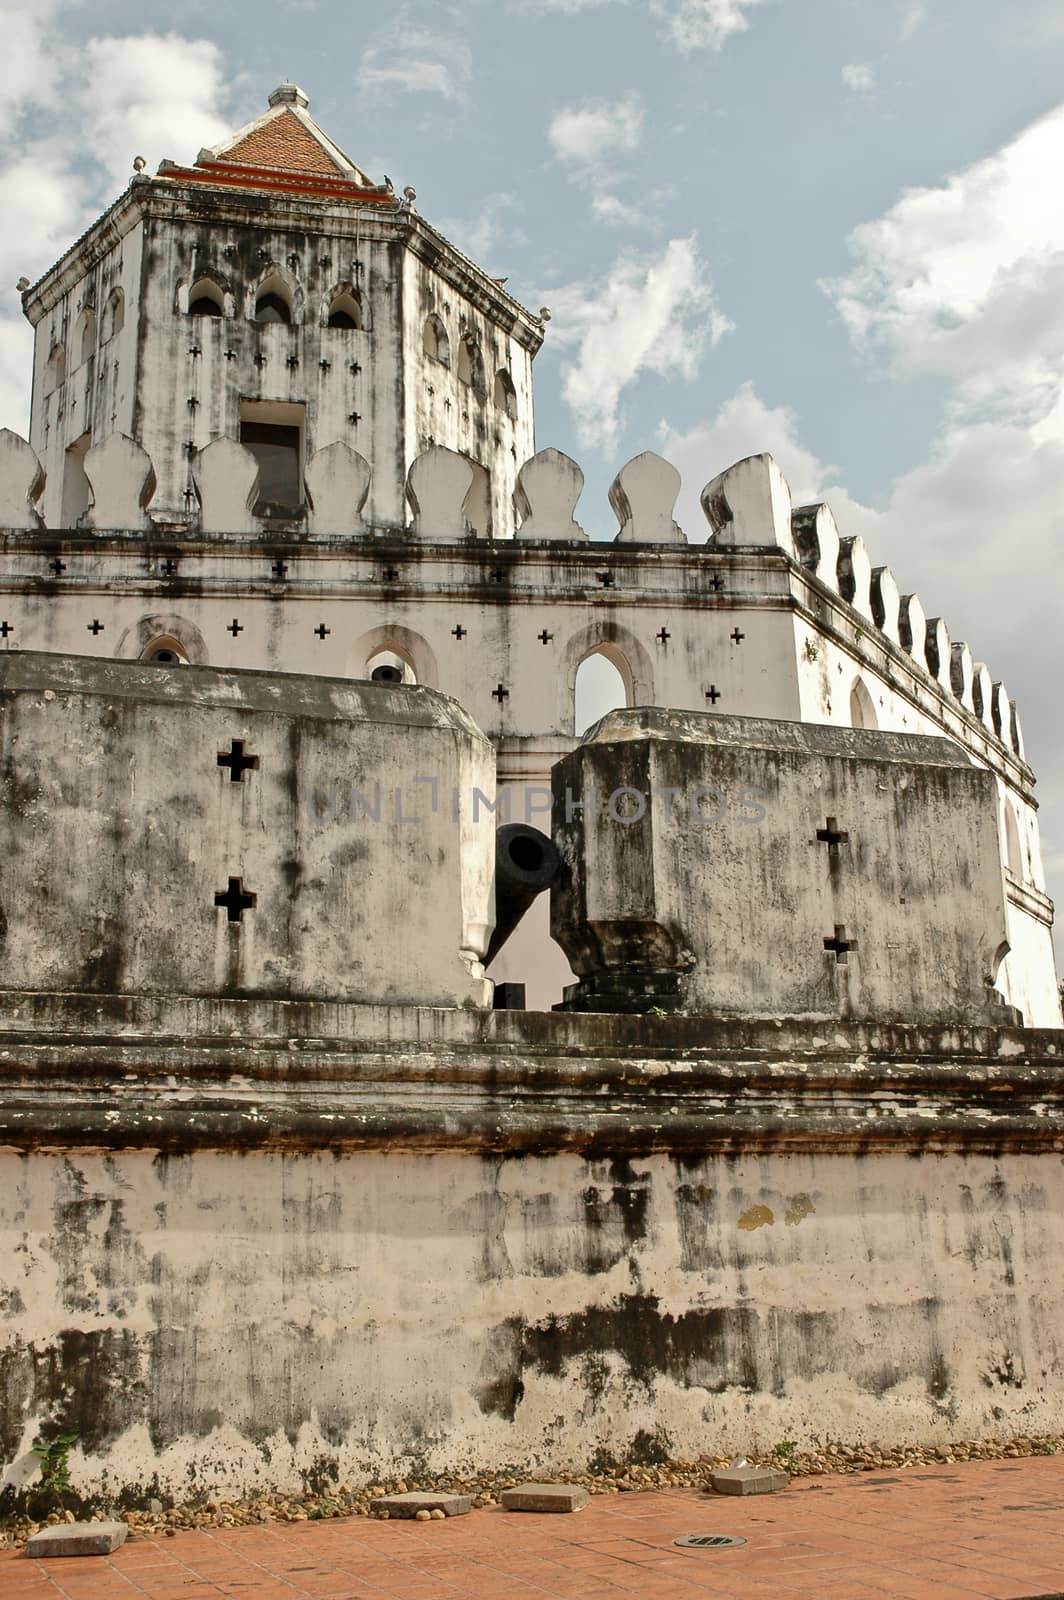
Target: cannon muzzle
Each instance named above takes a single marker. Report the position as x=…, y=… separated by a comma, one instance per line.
x=526, y=863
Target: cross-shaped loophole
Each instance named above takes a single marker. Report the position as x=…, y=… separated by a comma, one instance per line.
x=839, y=945
x=832, y=835
x=236, y=900
x=238, y=761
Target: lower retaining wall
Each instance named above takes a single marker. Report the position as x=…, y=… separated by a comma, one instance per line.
x=236, y=1313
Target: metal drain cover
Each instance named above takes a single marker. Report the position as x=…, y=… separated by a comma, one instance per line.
x=708, y=1541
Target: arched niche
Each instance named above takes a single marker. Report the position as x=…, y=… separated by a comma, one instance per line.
x=622, y=650
x=1013, y=850
x=471, y=364
x=506, y=394
x=434, y=340
x=55, y=368
x=599, y=687
x=275, y=300
x=862, y=711
x=344, y=310
x=206, y=299
x=163, y=630
x=85, y=336
x=392, y=640
x=114, y=316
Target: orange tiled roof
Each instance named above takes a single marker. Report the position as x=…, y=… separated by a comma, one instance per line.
x=284, y=143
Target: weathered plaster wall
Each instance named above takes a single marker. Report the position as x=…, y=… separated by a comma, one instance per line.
x=747, y=867
x=97, y=394
x=442, y=408
x=345, y=815
x=225, y=1321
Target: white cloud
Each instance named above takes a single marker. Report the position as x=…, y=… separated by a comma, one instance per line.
x=746, y=426
x=31, y=72
x=703, y=24
x=618, y=213
x=492, y=225
x=153, y=95
x=545, y=7
x=415, y=60
x=593, y=140
x=652, y=314
x=914, y=18
x=585, y=136
x=149, y=94
x=966, y=279
x=859, y=77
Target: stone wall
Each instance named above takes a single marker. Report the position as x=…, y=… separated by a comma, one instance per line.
x=196, y=831
x=737, y=866
x=514, y=1239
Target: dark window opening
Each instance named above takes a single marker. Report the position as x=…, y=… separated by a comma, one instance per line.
x=342, y=319
x=276, y=449
x=271, y=308
x=203, y=307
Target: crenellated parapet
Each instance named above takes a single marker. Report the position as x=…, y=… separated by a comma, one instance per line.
x=748, y=510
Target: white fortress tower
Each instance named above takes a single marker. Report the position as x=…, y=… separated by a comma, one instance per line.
x=272, y=293
x=280, y=423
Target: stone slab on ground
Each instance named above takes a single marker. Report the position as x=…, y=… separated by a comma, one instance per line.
x=748, y=1480
x=544, y=1497
x=76, y=1539
x=409, y=1504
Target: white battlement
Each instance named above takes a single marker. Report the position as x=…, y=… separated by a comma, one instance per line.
x=748, y=507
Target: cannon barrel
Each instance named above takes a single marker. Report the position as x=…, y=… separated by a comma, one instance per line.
x=526, y=863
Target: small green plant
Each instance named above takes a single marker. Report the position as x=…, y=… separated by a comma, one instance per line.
x=785, y=1450
x=53, y=1459
x=812, y=649
x=656, y=1011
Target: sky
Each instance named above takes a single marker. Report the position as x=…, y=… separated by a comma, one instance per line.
x=830, y=229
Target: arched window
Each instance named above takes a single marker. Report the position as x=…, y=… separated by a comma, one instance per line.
x=55, y=371
x=388, y=666
x=1013, y=853
x=470, y=364
x=273, y=302
x=114, y=315
x=600, y=687
x=506, y=394
x=434, y=340
x=86, y=335
x=862, y=711
x=205, y=299
x=166, y=651
x=345, y=310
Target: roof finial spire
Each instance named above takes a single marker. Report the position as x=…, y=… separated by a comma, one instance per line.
x=289, y=94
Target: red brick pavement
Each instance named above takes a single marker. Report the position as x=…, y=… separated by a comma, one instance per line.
x=989, y=1530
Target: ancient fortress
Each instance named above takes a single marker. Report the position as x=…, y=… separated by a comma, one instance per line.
x=390, y=1077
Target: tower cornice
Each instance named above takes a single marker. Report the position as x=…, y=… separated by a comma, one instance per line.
x=167, y=196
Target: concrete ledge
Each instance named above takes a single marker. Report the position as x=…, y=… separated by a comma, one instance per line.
x=523, y=1082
